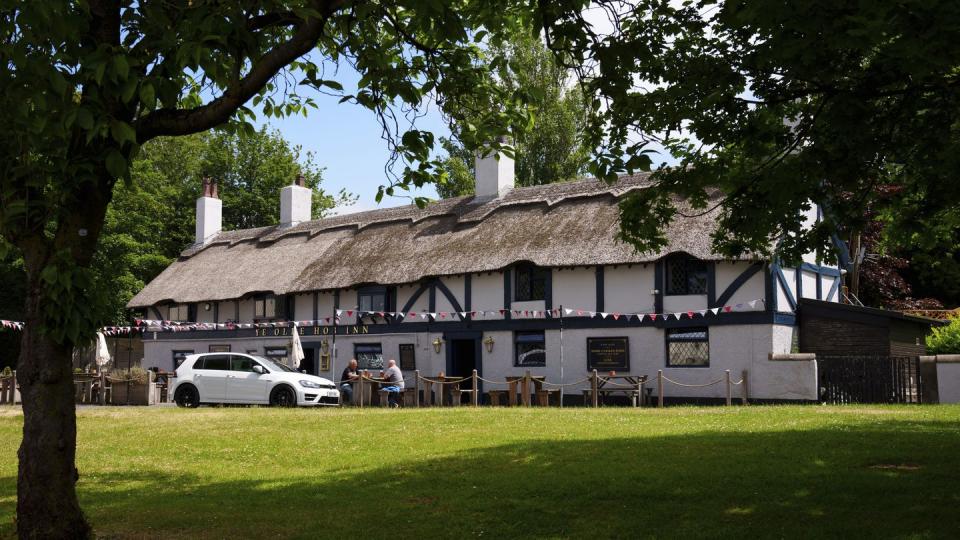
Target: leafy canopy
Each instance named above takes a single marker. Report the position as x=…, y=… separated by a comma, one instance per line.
x=551, y=148
x=778, y=104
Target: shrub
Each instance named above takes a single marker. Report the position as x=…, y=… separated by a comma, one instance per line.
x=135, y=374
x=945, y=339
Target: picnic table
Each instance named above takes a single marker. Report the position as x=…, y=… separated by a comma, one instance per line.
x=515, y=381
x=629, y=385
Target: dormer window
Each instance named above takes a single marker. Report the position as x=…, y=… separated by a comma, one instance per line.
x=265, y=307
x=686, y=275
x=531, y=283
x=179, y=313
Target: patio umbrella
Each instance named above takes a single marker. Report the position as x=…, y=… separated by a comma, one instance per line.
x=102, y=356
x=296, y=352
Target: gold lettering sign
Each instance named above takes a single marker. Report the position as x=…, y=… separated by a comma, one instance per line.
x=315, y=330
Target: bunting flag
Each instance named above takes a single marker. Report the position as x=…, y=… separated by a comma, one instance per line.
x=158, y=325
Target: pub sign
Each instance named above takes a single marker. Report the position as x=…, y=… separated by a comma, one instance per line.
x=608, y=353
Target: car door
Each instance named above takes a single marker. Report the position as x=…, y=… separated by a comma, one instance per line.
x=211, y=381
x=245, y=385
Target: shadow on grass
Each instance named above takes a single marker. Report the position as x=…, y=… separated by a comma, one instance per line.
x=898, y=481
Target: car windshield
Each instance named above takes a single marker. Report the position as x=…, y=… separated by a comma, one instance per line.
x=276, y=366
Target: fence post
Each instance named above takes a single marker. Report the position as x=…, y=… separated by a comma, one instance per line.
x=746, y=391
x=659, y=388
x=476, y=390
x=643, y=389
x=639, y=401
x=726, y=377
x=525, y=389
x=593, y=389
x=416, y=388
x=360, y=387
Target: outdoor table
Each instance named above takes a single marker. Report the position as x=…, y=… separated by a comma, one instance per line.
x=513, y=381
x=635, y=382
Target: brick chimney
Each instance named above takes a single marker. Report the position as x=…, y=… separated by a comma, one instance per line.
x=209, y=212
x=494, y=174
x=296, y=201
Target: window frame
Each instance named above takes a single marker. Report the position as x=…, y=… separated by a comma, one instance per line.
x=368, y=344
x=667, y=341
x=534, y=274
x=689, y=264
x=373, y=292
x=262, y=300
x=516, y=349
x=183, y=312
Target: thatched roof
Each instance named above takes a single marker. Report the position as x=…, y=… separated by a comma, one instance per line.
x=565, y=224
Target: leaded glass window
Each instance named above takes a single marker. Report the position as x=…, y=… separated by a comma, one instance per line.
x=530, y=349
x=686, y=275
x=688, y=347
x=531, y=283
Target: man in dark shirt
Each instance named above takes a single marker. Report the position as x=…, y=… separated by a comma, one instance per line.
x=349, y=374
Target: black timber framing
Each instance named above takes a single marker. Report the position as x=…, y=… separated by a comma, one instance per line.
x=743, y=317
x=216, y=312
x=769, y=288
x=711, y=283
x=432, y=299
x=600, y=283
x=735, y=285
x=316, y=306
x=658, y=284
x=781, y=280
x=507, y=292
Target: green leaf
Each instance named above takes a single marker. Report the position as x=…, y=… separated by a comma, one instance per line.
x=116, y=164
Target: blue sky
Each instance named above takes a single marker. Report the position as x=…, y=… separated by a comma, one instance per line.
x=346, y=141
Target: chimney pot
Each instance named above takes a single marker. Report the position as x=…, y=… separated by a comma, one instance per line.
x=209, y=212
x=296, y=201
x=494, y=174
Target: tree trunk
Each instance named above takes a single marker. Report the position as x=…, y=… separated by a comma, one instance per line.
x=47, y=505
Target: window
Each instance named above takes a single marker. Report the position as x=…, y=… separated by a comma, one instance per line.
x=368, y=355
x=408, y=357
x=686, y=275
x=219, y=362
x=179, y=312
x=529, y=349
x=265, y=307
x=179, y=357
x=531, y=283
x=241, y=363
x=688, y=347
x=277, y=354
x=372, y=299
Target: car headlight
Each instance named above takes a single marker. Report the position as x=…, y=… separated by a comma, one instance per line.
x=310, y=384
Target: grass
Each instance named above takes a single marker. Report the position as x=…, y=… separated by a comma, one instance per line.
x=769, y=472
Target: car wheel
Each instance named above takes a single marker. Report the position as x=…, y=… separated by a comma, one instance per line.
x=283, y=396
x=187, y=396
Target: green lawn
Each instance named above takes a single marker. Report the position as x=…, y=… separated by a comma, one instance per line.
x=797, y=471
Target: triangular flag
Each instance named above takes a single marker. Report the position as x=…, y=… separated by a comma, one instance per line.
x=616, y=316
x=690, y=314
x=727, y=309
x=715, y=310
x=753, y=303
x=702, y=312
x=603, y=315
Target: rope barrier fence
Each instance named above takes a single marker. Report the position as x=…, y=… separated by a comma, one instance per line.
x=597, y=385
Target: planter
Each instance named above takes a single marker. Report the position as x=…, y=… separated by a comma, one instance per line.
x=132, y=393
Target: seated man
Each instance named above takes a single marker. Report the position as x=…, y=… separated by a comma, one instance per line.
x=349, y=375
x=393, y=381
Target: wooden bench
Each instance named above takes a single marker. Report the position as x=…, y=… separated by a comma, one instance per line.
x=543, y=397
x=499, y=398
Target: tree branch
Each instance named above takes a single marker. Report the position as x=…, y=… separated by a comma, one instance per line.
x=184, y=122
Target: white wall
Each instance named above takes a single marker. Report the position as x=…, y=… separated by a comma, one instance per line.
x=203, y=315
x=574, y=288
x=809, y=280
x=782, y=303
x=303, y=307
x=626, y=289
x=456, y=286
x=685, y=302
x=226, y=311
x=246, y=310
x=728, y=272
x=487, y=293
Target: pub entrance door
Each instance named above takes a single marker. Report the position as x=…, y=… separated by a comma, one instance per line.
x=309, y=363
x=463, y=356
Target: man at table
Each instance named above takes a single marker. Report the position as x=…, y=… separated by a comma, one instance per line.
x=349, y=375
x=393, y=379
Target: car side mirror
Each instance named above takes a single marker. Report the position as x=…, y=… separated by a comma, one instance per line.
x=259, y=370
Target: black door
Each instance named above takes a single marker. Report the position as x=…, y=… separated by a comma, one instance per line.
x=309, y=363
x=463, y=360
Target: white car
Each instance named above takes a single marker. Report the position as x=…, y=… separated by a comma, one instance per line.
x=247, y=379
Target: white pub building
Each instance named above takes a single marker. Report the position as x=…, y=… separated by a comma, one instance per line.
x=507, y=281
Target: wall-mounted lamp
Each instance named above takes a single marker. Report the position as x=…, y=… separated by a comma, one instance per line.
x=436, y=345
x=325, y=346
x=207, y=306
x=489, y=343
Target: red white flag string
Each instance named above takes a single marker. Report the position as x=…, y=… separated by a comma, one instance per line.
x=156, y=325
